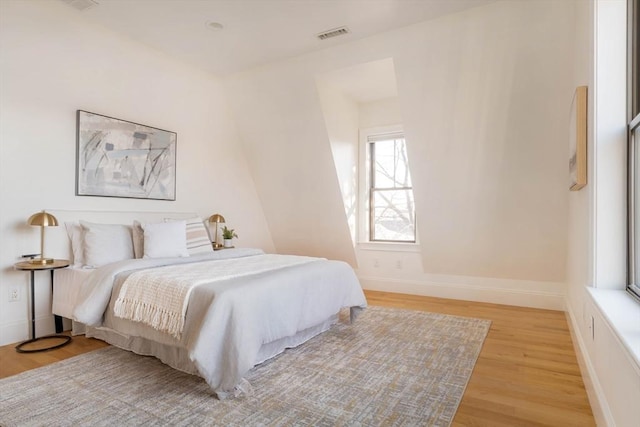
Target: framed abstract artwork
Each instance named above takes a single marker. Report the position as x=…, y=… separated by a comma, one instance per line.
x=118, y=158
x=578, y=140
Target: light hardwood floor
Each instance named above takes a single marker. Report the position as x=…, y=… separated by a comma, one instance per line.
x=526, y=374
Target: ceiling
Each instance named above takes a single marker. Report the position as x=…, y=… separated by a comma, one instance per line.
x=256, y=31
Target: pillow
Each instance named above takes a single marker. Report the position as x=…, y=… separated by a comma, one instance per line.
x=76, y=236
x=198, y=241
x=106, y=243
x=165, y=239
x=138, y=239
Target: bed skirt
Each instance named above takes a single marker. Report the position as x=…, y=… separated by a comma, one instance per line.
x=178, y=357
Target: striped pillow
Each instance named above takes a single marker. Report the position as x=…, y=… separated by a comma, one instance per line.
x=197, y=237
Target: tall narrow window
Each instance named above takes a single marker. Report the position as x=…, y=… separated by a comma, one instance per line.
x=633, y=107
x=391, y=210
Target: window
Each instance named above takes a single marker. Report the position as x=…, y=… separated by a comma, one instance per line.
x=390, y=210
x=633, y=108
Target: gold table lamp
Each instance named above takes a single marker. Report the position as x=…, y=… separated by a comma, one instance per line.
x=217, y=219
x=42, y=219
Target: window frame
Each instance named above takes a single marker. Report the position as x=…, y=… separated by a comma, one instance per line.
x=633, y=148
x=366, y=172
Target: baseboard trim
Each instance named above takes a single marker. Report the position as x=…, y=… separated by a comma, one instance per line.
x=511, y=295
x=597, y=400
x=15, y=332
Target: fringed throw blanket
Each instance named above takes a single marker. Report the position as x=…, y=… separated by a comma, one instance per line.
x=159, y=297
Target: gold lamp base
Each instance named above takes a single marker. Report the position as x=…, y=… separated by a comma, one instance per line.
x=42, y=261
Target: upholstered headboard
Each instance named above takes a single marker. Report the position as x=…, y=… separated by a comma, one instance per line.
x=58, y=245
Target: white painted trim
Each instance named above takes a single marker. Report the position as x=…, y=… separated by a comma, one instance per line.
x=610, y=145
x=15, y=332
x=389, y=247
x=597, y=397
x=621, y=315
x=455, y=288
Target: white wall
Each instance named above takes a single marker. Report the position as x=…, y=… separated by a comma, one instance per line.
x=382, y=112
x=483, y=99
x=482, y=95
x=341, y=120
x=597, y=222
x=382, y=267
x=51, y=64
x=287, y=146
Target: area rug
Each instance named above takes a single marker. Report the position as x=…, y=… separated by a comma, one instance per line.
x=391, y=367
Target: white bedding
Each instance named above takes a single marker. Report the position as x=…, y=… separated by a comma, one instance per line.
x=159, y=297
x=230, y=324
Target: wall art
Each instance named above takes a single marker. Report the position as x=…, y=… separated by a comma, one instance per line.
x=578, y=140
x=118, y=158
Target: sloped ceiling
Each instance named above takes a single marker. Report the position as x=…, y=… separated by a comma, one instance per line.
x=257, y=31
x=367, y=82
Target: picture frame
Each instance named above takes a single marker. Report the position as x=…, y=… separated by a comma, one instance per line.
x=119, y=158
x=578, y=140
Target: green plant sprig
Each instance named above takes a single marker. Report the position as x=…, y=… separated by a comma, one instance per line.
x=228, y=233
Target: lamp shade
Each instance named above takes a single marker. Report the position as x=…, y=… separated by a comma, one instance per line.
x=42, y=219
x=217, y=218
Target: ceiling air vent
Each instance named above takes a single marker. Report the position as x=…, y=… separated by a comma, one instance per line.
x=81, y=5
x=333, y=33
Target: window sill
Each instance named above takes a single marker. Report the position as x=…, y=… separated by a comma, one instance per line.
x=622, y=312
x=389, y=247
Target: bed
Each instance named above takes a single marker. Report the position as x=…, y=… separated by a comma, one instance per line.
x=215, y=314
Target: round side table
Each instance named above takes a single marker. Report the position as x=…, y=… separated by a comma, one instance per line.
x=32, y=268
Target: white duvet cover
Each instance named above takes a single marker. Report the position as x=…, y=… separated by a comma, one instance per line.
x=230, y=323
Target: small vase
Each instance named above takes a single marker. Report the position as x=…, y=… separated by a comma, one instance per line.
x=228, y=243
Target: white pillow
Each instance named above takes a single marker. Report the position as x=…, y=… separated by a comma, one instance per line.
x=76, y=236
x=165, y=239
x=198, y=241
x=106, y=243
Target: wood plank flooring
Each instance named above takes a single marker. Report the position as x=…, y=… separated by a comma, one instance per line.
x=12, y=363
x=526, y=375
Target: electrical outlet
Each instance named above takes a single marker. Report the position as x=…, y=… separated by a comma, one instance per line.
x=399, y=264
x=376, y=263
x=14, y=295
